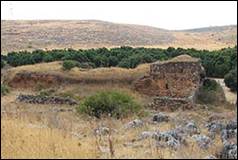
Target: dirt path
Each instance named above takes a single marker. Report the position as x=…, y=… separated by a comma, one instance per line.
x=230, y=96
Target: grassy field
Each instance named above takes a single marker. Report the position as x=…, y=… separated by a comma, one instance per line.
x=41, y=131
x=66, y=135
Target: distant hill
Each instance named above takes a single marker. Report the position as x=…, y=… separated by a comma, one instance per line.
x=30, y=35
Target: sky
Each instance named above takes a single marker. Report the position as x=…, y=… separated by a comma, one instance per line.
x=161, y=14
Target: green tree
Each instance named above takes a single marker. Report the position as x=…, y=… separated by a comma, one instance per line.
x=69, y=64
x=231, y=80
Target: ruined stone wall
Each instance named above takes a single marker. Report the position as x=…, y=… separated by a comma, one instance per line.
x=171, y=104
x=171, y=79
x=174, y=83
x=45, y=99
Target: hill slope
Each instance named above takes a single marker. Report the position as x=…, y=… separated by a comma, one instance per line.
x=21, y=35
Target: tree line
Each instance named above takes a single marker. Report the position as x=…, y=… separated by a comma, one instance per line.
x=216, y=63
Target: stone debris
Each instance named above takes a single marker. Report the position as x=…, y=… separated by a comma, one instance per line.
x=45, y=99
x=203, y=141
x=230, y=131
x=229, y=151
x=210, y=157
x=214, y=128
x=134, y=124
x=147, y=134
x=191, y=128
x=160, y=117
x=228, y=134
x=172, y=138
x=232, y=125
x=102, y=131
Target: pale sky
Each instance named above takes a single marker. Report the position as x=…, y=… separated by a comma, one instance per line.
x=167, y=15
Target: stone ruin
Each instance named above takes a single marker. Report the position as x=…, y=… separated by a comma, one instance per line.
x=173, y=83
x=38, y=99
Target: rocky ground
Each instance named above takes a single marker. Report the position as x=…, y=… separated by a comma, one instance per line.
x=197, y=133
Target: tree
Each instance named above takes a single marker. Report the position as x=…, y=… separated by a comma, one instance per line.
x=231, y=80
x=69, y=64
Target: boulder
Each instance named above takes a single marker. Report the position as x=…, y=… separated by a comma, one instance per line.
x=160, y=117
x=191, y=128
x=203, y=141
x=134, y=124
x=229, y=151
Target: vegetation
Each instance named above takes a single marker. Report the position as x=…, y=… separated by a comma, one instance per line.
x=112, y=103
x=231, y=80
x=211, y=93
x=2, y=63
x=69, y=64
x=4, y=90
x=216, y=63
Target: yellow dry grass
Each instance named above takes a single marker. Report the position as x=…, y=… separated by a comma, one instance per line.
x=23, y=137
x=102, y=75
x=34, y=131
x=31, y=35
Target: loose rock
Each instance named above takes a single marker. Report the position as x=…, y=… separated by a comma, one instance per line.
x=134, y=124
x=203, y=141
x=160, y=117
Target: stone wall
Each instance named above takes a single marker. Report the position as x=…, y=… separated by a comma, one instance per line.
x=171, y=104
x=178, y=80
x=45, y=99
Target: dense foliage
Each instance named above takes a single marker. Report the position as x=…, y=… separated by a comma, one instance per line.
x=231, y=79
x=69, y=64
x=216, y=63
x=109, y=103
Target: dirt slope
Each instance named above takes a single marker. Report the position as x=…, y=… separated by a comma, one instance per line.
x=30, y=35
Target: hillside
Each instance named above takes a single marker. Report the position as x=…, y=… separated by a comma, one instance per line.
x=30, y=35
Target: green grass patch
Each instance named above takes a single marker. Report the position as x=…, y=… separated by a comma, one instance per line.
x=4, y=90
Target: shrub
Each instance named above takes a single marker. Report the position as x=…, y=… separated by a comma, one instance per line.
x=113, y=103
x=2, y=63
x=86, y=65
x=211, y=93
x=4, y=90
x=69, y=64
x=231, y=80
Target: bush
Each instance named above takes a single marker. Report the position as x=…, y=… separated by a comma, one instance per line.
x=231, y=80
x=69, y=64
x=2, y=63
x=86, y=65
x=211, y=93
x=111, y=103
x=4, y=90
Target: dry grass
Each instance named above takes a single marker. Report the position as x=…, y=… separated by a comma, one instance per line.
x=31, y=35
x=36, y=131
x=23, y=137
x=113, y=75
